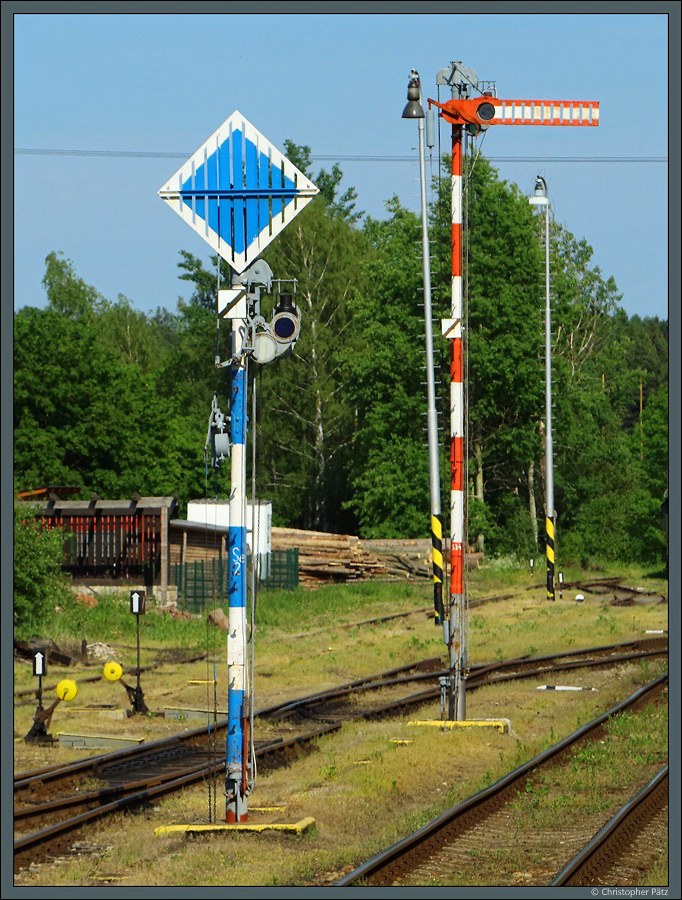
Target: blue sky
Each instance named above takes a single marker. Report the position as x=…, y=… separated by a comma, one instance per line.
x=163, y=83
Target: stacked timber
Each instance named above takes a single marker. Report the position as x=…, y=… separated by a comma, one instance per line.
x=325, y=558
x=403, y=558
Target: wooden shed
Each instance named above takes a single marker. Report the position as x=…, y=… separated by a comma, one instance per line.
x=120, y=541
x=196, y=541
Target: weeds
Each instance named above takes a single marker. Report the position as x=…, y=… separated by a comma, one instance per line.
x=394, y=793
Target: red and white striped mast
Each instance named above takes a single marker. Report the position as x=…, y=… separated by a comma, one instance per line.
x=475, y=114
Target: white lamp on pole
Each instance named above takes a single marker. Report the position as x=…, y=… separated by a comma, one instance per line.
x=414, y=110
x=540, y=198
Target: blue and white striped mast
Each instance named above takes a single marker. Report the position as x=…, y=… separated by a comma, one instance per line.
x=235, y=749
x=238, y=192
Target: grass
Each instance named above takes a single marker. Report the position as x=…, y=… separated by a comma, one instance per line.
x=364, y=790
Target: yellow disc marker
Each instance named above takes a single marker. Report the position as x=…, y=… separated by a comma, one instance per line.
x=66, y=689
x=112, y=671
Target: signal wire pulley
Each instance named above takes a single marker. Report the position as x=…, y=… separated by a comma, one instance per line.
x=218, y=435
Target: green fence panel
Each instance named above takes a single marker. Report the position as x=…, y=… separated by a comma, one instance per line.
x=202, y=584
x=283, y=574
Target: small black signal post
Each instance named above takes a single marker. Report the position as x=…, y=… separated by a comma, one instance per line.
x=137, y=608
x=38, y=731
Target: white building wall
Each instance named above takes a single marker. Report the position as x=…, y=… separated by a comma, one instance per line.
x=216, y=513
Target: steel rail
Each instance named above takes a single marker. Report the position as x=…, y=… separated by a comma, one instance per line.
x=477, y=678
x=600, y=853
x=480, y=675
x=24, y=780
x=160, y=786
x=406, y=854
x=61, y=832
x=114, y=792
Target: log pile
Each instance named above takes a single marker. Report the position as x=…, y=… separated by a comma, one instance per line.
x=325, y=558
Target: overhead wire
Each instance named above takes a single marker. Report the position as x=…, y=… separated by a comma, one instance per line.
x=324, y=157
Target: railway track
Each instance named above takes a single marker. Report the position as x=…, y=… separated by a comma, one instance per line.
x=331, y=705
x=434, y=852
x=63, y=800
x=608, y=857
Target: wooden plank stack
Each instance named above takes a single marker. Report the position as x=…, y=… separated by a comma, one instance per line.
x=325, y=558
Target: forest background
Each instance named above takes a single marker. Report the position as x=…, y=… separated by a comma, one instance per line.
x=117, y=401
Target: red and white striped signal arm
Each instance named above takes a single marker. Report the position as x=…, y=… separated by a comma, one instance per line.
x=488, y=110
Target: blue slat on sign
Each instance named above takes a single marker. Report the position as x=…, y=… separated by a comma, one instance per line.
x=238, y=206
x=277, y=185
x=263, y=203
x=251, y=183
x=238, y=191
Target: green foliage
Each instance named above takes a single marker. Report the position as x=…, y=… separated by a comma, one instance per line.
x=114, y=401
x=305, y=438
x=205, y=283
x=651, y=442
x=384, y=374
x=38, y=584
x=327, y=183
x=111, y=620
x=89, y=409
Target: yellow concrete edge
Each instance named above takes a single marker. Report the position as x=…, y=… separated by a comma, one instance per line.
x=296, y=827
x=502, y=725
x=102, y=737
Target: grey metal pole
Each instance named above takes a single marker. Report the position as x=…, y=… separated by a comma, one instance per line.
x=549, y=460
x=549, y=447
x=432, y=420
x=415, y=110
x=541, y=198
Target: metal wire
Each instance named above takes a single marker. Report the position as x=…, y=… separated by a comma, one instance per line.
x=467, y=171
x=255, y=560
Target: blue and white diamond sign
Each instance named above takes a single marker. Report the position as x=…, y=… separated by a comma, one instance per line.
x=238, y=192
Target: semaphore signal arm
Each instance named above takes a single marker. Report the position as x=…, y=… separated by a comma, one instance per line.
x=488, y=110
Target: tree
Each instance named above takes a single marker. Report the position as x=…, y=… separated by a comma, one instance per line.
x=583, y=303
x=205, y=283
x=342, y=207
x=504, y=335
x=306, y=441
x=38, y=583
x=383, y=376
x=652, y=444
x=87, y=410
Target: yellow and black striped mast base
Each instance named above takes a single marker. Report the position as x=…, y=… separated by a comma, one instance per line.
x=549, y=549
x=437, y=563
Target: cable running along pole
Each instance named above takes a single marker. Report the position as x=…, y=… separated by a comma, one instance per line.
x=541, y=198
x=238, y=191
x=237, y=720
x=474, y=106
x=456, y=643
x=414, y=110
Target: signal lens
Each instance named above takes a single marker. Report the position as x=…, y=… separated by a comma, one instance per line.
x=485, y=111
x=284, y=326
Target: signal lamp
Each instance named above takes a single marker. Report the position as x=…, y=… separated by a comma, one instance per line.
x=485, y=111
x=286, y=322
x=264, y=347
